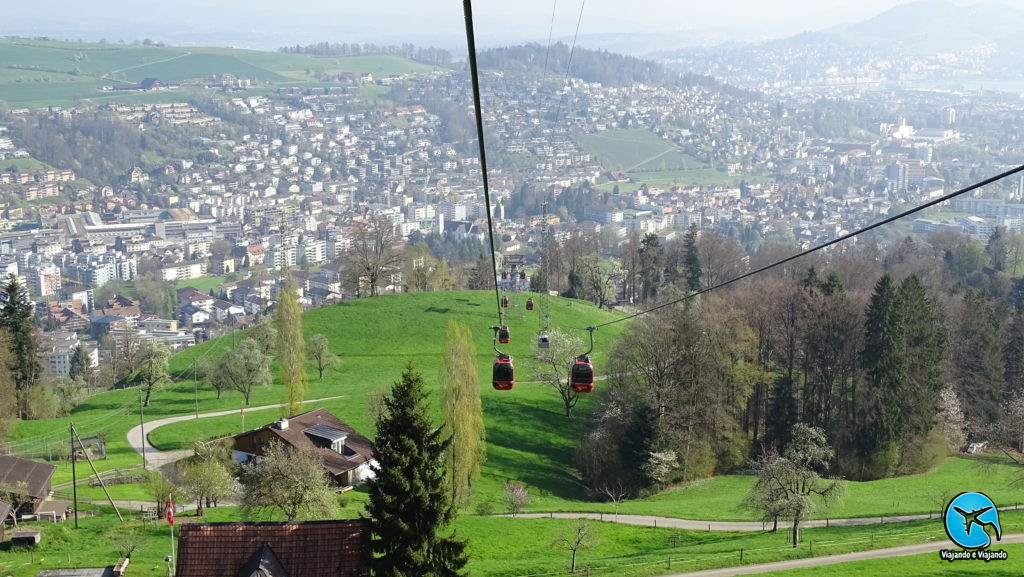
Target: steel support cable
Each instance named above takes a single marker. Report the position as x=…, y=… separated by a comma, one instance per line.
x=547, y=51
x=568, y=64
x=814, y=249
x=467, y=6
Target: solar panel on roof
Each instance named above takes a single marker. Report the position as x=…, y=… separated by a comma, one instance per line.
x=325, y=432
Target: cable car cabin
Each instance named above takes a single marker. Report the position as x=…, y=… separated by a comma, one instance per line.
x=503, y=375
x=522, y=276
x=529, y=304
x=581, y=375
x=504, y=336
x=504, y=302
x=543, y=341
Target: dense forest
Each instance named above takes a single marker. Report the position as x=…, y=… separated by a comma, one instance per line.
x=594, y=66
x=901, y=355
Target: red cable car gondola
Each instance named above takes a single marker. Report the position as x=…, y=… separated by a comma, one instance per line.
x=504, y=302
x=529, y=304
x=581, y=375
x=503, y=374
x=504, y=336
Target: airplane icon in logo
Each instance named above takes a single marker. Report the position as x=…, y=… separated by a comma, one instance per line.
x=972, y=518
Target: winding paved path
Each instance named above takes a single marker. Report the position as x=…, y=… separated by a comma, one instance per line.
x=694, y=525
x=843, y=558
x=155, y=458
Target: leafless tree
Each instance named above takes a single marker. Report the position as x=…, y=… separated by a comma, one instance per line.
x=579, y=537
x=373, y=254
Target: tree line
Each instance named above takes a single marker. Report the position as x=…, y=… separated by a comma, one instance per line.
x=428, y=55
x=899, y=356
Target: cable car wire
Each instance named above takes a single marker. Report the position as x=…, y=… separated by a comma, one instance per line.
x=547, y=51
x=467, y=6
x=814, y=249
x=568, y=65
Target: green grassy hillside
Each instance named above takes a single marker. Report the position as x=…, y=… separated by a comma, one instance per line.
x=636, y=149
x=375, y=338
x=36, y=73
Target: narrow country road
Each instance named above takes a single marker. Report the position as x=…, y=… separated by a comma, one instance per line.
x=842, y=558
x=155, y=458
x=694, y=525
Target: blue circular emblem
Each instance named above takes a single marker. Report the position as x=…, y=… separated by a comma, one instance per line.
x=968, y=518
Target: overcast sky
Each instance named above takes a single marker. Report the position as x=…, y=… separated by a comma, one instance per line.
x=277, y=22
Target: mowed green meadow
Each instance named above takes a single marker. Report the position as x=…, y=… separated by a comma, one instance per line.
x=375, y=338
x=37, y=73
x=529, y=440
x=507, y=547
x=636, y=149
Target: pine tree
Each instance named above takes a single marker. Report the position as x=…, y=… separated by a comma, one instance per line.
x=16, y=318
x=291, y=348
x=408, y=496
x=976, y=357
x=80, y=364
x=886, y=371
x=462, y=411
x=1013, y=353
x=923, y=355
x=691, y=260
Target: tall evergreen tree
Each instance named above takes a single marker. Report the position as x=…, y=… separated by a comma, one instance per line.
x=923, y=356
x=80, y=365
x=462, y=411
x=16, y=318
x=651, y=264
x=291, y=348
x=1013, y=353
x=691, y=260
x=976, y=349
x=409, y=507
x=886, y=371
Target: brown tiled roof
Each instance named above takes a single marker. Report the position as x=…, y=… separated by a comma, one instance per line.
x=359, y=449
x=36, y=475
x=304, y=548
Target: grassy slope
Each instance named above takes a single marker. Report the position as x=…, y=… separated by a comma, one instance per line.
x=374, y=338
x=636, y=149
x=40, y=73
x=502, y=547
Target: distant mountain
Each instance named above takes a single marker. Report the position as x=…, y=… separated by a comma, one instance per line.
x=930, y=26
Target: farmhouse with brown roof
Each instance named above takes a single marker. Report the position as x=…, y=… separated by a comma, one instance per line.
x=345, y=453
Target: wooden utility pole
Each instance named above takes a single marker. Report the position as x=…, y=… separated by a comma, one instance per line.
x=142, y=429
x=74, y=475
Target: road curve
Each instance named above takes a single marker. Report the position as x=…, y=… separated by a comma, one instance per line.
x=155, y=458
x=833, y=559
x=695, y=525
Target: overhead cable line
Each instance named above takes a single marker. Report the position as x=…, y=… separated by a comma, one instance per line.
x=467, y=6
x=814, y=249
x=547, y=51
x=568, y=65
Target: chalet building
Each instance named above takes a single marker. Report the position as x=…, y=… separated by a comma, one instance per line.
x=36, y=477
x=345, y=453
x=337, y=548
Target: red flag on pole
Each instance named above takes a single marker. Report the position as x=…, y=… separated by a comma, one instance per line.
x=170, y=511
